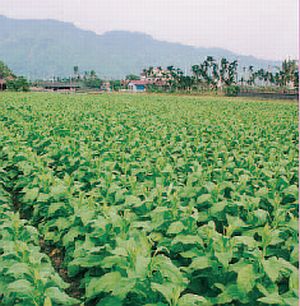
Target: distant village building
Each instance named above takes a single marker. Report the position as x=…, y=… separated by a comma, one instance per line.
x=158, y=78
x=157, y=73
x=2, y=84
x=138, y=86
x=105, y=86
x=57, y=86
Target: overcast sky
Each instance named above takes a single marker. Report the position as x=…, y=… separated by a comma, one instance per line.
x=263, y=28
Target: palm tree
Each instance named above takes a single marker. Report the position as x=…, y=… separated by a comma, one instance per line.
x=76, y=71
x=251, y=78
x=224, y=71
x=233, y=72
x=150, y=71
x=195, y=70
x=260, y=74
x=93, y=74
x=144, y=73
x=271, y=78
x=170, y=75
x=278, y=78
x=289, y=67
x=210, y=59
x=197, y=73
x=188, y=82
x=215, y=75
x=208, y=71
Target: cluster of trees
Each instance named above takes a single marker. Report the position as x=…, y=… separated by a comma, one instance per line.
x=286, y=75
x=19, y=83
x=5, y=72
x=223, y=74
x=87, y=79
x=13, y=82
x=207, y=75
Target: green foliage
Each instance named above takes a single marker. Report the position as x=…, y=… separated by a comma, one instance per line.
x=132, y=77
x=4, y=71
x=232, y=90
x=92, y=83
x=26, y=275
x=19, y=83
x=116, y=85
x=194, y=204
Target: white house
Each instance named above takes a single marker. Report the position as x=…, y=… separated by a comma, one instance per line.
x=138, y=86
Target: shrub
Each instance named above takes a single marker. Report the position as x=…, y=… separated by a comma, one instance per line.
x=18, y=84
x=232, y=90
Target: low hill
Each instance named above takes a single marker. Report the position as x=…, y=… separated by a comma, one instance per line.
x=44, y=48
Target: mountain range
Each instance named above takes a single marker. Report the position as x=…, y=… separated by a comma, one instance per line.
x=40, y=49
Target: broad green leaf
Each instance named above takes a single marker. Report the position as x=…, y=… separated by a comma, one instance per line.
x=106, y=283
x=246, y=278
x=273, y=266
x=168, y=270
x=31, y=194
x=218, y=207
x=111, y=283
x=19, y=269
x=58, y=190
x=250, y=242
x=54, y=207
x=273, y=299
x=71, y=235
x=133, y=201
x=20, y=286
x=292, y=190
x=142, y=266
x=200, y=263
x=187, y=239
x=170, y=291
x=175, y=228
x=110, y=301
x=261, y=216
x=193, y=300
x=165, y=289
x=60, y=297
x=204, y=198
x=224, y=257
x=47, y=301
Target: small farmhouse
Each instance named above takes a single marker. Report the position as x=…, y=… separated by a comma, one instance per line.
x=2, y=84
x=138, y=86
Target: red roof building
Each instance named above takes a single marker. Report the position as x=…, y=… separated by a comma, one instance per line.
x=140, y=82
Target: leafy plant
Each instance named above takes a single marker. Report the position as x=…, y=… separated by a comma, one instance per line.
x=144, y=204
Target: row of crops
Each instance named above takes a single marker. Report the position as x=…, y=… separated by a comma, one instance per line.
x=147, y=200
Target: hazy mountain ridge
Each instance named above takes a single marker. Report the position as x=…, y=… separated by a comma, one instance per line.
x=43, y=48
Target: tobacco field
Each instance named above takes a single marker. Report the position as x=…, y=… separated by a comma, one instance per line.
x=151, y=200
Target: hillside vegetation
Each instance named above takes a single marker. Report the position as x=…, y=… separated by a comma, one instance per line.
x=47, y=48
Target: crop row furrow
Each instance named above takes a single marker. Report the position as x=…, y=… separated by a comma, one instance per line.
x=27, y=276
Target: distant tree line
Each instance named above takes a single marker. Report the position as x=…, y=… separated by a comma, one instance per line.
x=87, y=79
x=222, y=75
x=210, y=75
